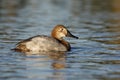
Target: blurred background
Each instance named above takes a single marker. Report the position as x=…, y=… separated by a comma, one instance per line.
x=96, y=56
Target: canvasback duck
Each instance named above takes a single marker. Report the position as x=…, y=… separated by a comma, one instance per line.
x=45, y=43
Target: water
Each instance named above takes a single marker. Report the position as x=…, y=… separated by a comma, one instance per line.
x=95, y=56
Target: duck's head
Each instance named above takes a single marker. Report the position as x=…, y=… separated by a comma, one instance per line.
x=61, y=31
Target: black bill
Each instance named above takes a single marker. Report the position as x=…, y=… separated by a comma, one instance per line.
x=70, y=35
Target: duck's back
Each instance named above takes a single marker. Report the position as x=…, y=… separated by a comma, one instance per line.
x=40, y=43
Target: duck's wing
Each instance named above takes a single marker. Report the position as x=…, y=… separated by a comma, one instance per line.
x=29, y=39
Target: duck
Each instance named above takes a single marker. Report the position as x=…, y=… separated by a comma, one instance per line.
x=40, y=43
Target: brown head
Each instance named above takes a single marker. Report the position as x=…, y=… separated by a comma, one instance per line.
x=61, y=31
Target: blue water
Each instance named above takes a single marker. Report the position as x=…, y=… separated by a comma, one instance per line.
x=95, y=56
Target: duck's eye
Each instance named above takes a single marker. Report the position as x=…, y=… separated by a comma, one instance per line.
x=61, y=30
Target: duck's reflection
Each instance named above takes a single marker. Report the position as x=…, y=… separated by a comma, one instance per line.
x=56, y=59
x=59, y=60
x=46, y=65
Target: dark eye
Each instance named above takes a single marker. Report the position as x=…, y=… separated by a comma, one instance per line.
x=61, y=29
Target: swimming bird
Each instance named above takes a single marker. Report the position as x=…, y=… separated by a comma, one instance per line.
x=39, y=43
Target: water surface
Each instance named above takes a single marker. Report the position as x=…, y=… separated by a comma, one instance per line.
x=95, y=56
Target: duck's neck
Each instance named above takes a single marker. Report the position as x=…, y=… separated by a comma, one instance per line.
x=61, y=40
x=66, y=44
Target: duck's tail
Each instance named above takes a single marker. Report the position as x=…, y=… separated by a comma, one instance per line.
x=16, y=49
